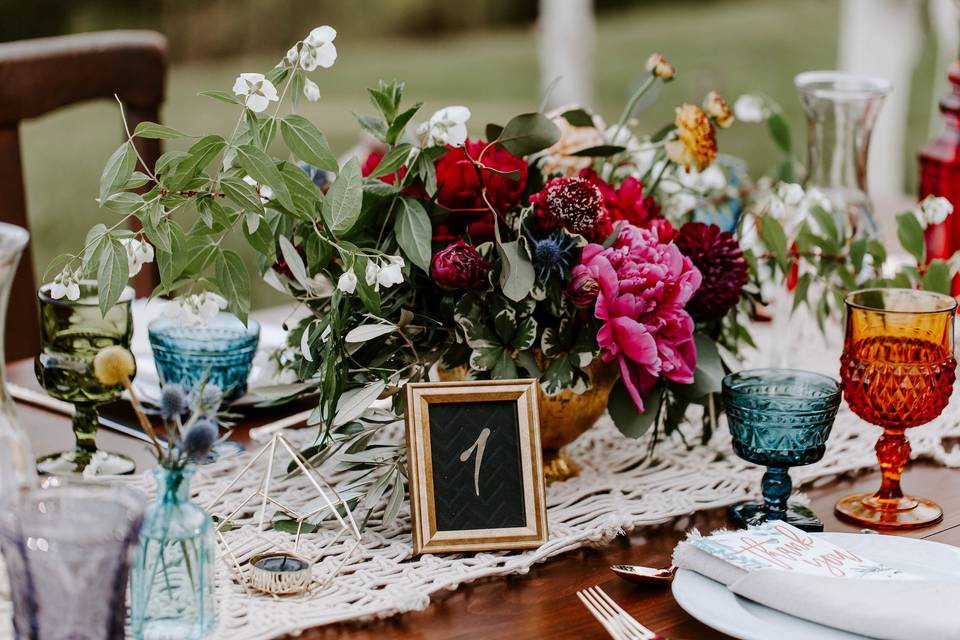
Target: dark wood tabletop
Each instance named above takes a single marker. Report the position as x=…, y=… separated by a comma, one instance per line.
x=542, y=603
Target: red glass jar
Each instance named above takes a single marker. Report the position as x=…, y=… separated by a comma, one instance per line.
x=940, y=174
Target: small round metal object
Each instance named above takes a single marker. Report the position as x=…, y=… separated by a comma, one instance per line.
x=280, y=573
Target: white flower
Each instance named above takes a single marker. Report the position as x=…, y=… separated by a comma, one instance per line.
x=372, y=273
x=310, y=90
x=264, y=191
x=66, y=285
x=934, y=210
x=196, y=309
x=318, y=49
x=391, y=274
x=347, y=282
x=954, y=263
x=138, y=254
x=257, y=92
x=292, y=54
x=751, y=108
x=790, y=192
x=446, y=126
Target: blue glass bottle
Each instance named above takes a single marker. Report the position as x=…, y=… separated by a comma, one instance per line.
x=172, y=580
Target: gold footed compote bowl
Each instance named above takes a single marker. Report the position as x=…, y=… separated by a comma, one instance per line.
x=897, y=372
x=72, y=332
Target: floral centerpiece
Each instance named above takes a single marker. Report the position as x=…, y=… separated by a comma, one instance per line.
x=551, y=246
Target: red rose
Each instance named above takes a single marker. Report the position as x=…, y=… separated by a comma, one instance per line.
x=459, y=266
x=458, y=186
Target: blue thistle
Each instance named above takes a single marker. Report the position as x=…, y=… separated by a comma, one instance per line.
x=200, y=438
x=211, y=397
x=551, y=255
x=173, y=401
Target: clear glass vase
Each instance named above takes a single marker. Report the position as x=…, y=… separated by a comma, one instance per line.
x=17, y=468
x=172, y=580
x=842, y=110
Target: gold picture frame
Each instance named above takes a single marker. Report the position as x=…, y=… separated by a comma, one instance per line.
x=526, y=471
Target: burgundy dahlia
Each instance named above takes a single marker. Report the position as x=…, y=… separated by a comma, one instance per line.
x=576, y=204
x=717, y=255
x=459, y=266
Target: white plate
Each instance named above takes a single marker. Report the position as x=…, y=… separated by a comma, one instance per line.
x=715, y=606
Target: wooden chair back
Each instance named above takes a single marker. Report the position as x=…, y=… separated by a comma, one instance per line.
x=42, y=75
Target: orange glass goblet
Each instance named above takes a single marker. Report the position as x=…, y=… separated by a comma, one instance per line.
x=897, y=372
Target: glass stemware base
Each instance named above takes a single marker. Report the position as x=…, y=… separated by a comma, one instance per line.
x=85, y=459
x=755, y=512
x=907, y=512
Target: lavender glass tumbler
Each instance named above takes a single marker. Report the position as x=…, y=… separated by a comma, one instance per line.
x=67, y=549
x=779, y=418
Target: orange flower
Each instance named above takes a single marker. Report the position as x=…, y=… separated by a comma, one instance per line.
x=718, y=109
x=696, y=143
x=659, y=67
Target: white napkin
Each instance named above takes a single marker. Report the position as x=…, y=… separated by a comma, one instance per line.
x=889, y=609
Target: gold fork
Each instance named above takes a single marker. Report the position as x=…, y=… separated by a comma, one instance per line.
x=618, y=623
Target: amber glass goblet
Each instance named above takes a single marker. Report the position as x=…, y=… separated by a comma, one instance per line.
x=897, y=372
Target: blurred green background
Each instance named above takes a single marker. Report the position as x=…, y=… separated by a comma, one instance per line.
x=481, y=53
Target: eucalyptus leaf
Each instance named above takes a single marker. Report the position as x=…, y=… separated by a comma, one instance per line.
x=414, y=233
x=234, y=283
x=910, y=234
x=366, y=332
x=353, y=403
x=341, y=207
x=118, y=170
x=528, y=133
x=222, y=96
x=600, y=151
x=156, y=131
x=627, y=418
x=112, y=274
x=517, y=275
x=937, y=277
x=263, y=169
x=307, y=142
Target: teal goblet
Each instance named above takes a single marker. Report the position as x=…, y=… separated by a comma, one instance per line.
x=779, y=418
x=72, y=332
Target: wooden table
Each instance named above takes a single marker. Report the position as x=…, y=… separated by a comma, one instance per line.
x=542, y=604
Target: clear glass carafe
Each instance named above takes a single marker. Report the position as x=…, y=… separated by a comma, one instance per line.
x=841, y=112
x=17, y=468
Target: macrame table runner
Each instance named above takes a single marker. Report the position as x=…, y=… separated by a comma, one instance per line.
x=619, y=489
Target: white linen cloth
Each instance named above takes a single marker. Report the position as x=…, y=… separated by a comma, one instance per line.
x=902, y=609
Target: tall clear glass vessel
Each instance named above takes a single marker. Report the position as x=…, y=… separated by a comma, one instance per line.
x=841, y=112
x=171, y=584
x=17, y=468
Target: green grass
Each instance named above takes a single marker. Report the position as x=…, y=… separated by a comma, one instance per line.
x=729, y=46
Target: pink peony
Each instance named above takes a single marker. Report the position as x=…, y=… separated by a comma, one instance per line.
x=644, y=285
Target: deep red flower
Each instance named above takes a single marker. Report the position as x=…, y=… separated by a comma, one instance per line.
x=717, y=254
x=459, y=266
x=576, y=204
x=458, y=185
x=625, y=202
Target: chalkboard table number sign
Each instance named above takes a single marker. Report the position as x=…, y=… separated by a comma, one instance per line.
x=475, y=468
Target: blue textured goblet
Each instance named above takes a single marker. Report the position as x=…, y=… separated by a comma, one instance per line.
x=220, y=352
x=779, y=418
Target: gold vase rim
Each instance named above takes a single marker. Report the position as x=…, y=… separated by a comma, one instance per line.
x=948, y=303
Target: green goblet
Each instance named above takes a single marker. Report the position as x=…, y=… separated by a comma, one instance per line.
x=72, y=332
